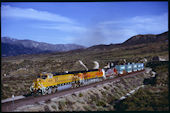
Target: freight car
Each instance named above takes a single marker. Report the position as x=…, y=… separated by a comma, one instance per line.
x=47, y=83
x=124, y=69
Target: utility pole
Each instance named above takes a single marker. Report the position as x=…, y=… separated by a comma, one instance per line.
x=12, y=102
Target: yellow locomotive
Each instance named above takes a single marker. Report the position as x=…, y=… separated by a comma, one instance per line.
x=47, y=83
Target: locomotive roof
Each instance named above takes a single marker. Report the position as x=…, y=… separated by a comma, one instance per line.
x=73, y=72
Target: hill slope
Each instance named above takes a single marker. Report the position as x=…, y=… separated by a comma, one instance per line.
x=133, y=41
x=150, y=38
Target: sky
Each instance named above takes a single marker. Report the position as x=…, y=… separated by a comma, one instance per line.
x=83, y=23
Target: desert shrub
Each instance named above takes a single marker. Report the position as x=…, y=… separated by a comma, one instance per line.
x=106, y=87
x=54, y=107
x=143, y=99
x=74, y=94
x=46, y=108
x=101, y=103
x=93, y=98
x=87, y=108
x=80, y=94
x=69, y=103
x=61, y=105
x=103, y=93
x=48, y=101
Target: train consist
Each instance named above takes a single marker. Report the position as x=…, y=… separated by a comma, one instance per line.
x=47, y=83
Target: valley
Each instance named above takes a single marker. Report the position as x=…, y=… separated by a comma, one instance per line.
x=18, y=72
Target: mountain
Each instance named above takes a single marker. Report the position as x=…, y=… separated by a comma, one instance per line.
x=13, y=50
x=149, y=38
x=103, y=47
x=135, y=40
x=12, y=47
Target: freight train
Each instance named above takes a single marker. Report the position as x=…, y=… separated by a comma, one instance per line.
x=47, y=83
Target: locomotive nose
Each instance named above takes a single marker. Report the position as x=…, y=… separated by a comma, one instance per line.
x=36, y=83
x=38, y=80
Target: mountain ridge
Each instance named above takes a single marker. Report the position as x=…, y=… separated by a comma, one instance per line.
x=43, y=47
x=37, y=47
x=147, y=38
x=134, y=40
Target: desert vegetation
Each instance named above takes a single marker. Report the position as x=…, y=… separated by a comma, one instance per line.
x=17, y=73
x=154, y=97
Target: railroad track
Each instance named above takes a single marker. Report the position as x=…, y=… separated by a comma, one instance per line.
x=10, y=106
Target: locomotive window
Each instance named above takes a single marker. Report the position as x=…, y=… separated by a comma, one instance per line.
x=50, y=76
x=44, y=76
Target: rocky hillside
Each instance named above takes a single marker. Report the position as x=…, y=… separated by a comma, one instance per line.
x=13, y=47
x=137, y=40
x=149, y=38
x=154, y=97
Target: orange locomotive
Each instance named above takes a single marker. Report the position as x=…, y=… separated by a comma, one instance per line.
x=47, y=83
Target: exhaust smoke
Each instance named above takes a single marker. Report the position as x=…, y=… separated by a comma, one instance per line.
x=83, y=65
x=96, y=65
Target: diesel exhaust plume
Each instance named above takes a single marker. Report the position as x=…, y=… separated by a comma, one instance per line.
x=96, y=65
x=83, y=65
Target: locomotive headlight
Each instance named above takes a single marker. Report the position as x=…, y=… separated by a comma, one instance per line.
x=103, y=73
x=31, y=88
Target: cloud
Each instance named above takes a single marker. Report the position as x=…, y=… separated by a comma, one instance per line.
x=106, y=32
x=139, y=24
x=57, y=22
x=151, y=24
x=112, y=31
x=29, y=13
x=64, y=27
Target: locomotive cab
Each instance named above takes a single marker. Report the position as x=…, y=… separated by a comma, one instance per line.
x=42, y=77
x=45, y=76
x=41, y=82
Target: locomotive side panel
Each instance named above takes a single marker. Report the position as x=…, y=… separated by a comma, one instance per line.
x=91, y=75
x=61, y=79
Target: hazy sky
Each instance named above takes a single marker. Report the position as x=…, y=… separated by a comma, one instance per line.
x=83, y=23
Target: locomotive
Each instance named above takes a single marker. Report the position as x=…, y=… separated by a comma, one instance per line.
x=47, y=83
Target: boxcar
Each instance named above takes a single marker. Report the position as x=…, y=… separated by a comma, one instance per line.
x=128, y=68
x=134, y=67
x=120, y=69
